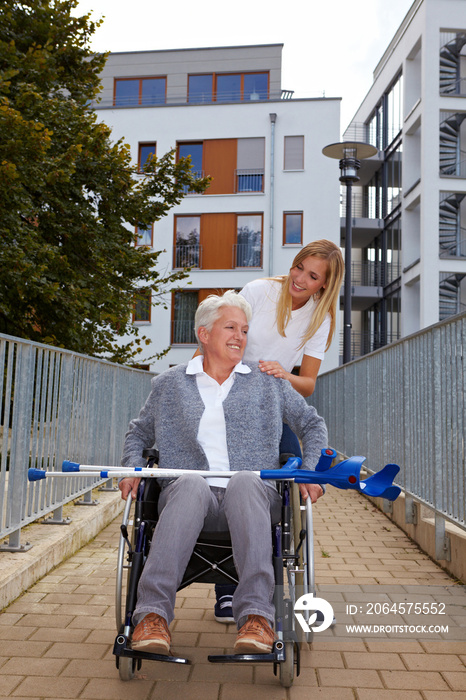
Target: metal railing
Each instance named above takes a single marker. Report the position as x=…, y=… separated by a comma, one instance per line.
x=183, y=332
x=188, y=255
x=451, y=86
x=249, y=180
x=107, y=100
x=365, y=342
x=57, y=405
x=456, y=249
x=247, y=255
x=406, y=404
x=457, y=169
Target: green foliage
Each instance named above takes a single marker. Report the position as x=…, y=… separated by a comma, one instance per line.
x=69, y=198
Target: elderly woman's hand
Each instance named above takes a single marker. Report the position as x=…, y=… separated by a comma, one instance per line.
x=129, y=486
x=312, y=491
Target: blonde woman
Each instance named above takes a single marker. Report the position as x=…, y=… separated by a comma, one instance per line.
x=293, y=323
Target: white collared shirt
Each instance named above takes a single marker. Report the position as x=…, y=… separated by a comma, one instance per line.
x=212, y=434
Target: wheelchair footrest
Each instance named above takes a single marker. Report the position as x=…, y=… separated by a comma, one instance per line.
x=275, y=656
x=120, y=648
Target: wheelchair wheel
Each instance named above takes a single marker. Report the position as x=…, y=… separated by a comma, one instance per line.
x=286, y=668
x=126, y=668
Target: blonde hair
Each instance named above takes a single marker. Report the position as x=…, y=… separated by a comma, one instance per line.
x=327, y=299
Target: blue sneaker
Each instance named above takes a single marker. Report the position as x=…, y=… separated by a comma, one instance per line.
x=223, y=610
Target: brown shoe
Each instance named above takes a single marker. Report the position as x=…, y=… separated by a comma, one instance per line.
x=255, y=636
x=152, y=635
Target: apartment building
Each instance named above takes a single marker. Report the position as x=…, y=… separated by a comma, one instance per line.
x=409, y=207
x=272, y=189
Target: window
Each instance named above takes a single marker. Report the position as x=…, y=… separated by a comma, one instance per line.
x=228, y=87
x=218, y=241
x=294, y=153
x=248, y=247
x=145, y=152
x=187, y=239
x=144, y=236
x=292, y=228
x=184, y=306
x=132, y=92
x=250, y=165
x=200, y=88
x=142, y=306
x=235, y=165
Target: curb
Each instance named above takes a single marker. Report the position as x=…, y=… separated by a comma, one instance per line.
x=52, y=544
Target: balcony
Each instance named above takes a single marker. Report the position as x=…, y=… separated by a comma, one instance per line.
x=251, y=180
x=243, y=255
x=364, y=342
x=183, y=332
x=247, y=255
x=197, y=175
x=188, y=255
x=455, y=169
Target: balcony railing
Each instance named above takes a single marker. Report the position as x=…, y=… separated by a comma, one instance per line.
x=188, y=255
x=454, y=169
x=197, y=175
x=107, y=100
x=454, y=87
x=364, y=342
x=374, y=274
x=363, y=204
x=455, y=250
x=183, y=332
x=247, y=255
x=249, y=180
x=365, y=133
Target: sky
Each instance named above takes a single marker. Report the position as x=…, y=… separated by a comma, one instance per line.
x=331, y=47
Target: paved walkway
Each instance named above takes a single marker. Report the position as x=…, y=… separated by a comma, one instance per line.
x=56, y=639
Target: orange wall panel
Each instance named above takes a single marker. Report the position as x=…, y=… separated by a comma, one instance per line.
x=218, y=235
x=220, y=163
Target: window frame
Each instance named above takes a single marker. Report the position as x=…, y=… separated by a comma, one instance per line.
x=285, y=215
x=142, y=144
x=216, y=75
x=143, y=322
x=293, y=136
x=139, y=103
x=136, y=237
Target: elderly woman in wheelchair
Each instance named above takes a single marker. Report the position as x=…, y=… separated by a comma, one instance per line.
x=216, y=413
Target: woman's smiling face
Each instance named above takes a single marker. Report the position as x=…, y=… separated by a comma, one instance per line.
x=306, y=279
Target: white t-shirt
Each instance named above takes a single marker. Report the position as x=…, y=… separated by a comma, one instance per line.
x=264, y=340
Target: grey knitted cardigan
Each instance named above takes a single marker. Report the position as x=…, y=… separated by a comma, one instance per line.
x=255, y=409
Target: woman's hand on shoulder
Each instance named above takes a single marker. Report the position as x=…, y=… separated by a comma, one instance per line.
x=273, y=368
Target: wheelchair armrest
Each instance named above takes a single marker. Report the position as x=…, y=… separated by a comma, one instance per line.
x=151, y=453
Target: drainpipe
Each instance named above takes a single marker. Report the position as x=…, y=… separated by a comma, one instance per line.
x=273, y=119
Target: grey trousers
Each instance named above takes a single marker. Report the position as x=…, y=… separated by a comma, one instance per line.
x=187, y=506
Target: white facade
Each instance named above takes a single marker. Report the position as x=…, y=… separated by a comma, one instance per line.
x=411, y=199
x=311, y=189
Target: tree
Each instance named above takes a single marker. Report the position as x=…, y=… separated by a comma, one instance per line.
x=69, y=201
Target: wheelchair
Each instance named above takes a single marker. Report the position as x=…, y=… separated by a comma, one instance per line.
x=212, y=562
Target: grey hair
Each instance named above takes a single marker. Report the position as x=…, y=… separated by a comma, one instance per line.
x=209, y=310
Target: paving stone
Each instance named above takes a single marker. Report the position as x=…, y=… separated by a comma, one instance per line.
x=373, y=660
x=349, y=678
x=50, y=688
x=189, y=691
x=433, y=662
x=406, y=680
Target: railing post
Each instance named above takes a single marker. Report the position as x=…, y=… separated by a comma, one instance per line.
x=442, y=541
